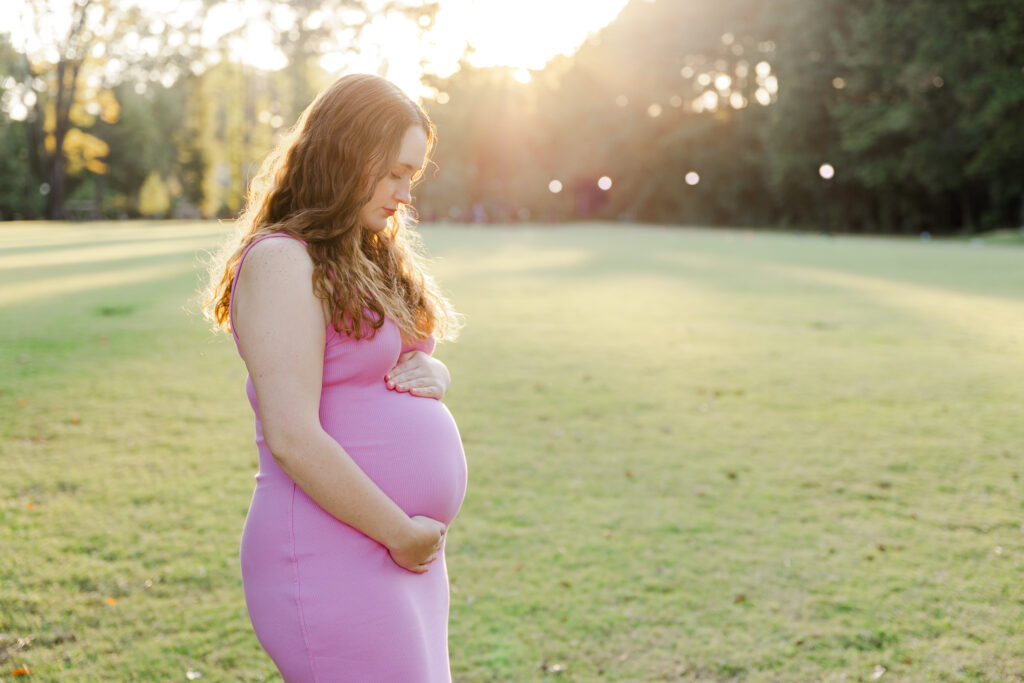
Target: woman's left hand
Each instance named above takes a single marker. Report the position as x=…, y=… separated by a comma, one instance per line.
x=420, y=374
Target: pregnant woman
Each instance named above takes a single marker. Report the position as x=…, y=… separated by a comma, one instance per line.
x=361, y=467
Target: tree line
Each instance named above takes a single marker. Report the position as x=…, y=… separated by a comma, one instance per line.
x=856, y=115
x=835, y=114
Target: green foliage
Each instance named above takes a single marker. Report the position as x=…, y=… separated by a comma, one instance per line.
x=19, y=186
x=154, y=199
x=19, y=195
x=916, y=105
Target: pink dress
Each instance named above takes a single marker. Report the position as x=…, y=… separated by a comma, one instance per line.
x=327, y=602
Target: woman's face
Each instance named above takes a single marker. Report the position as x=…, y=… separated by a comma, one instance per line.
x=393, y=189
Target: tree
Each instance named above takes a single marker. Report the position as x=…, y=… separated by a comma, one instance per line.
x=75, y=49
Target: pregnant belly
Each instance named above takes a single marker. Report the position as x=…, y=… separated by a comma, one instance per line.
x=408, y=445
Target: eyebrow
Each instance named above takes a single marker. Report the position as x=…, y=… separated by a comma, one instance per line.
x=408, y=166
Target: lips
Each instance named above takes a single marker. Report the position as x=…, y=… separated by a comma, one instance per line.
x=390, y=212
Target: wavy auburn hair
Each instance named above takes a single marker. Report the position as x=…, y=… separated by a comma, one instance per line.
x=313, y=185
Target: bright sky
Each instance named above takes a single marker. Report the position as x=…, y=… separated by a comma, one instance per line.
x=523, y=34
x=519, y=33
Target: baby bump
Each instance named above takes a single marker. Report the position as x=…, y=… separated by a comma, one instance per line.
x=408, y=445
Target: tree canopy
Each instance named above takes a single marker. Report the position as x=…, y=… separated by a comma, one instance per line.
x=852, y=114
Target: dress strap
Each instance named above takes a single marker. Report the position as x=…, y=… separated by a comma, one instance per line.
x=238, y=269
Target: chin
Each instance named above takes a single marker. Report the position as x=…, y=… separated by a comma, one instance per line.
x=374, y=226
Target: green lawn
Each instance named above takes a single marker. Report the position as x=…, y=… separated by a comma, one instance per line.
x=694, y=455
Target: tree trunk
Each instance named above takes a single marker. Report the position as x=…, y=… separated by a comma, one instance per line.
x=62, y=109
x=966, y=212
x=55, y=158
x=97, y=212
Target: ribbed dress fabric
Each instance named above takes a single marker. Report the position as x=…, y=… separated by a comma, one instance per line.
x=327, y=602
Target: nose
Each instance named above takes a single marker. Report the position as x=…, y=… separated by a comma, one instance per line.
x=402, y=193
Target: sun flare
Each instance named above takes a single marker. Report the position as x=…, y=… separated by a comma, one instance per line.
x=523, y=34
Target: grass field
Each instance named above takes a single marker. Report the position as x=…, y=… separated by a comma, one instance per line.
x=694, y=455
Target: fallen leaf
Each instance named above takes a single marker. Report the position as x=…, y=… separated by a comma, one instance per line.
x=75, y=420
x=111, y=600
x=193, y=675
x=740, y=598
x=517, y=568
x=629, y=474
x=30, y=506
x=22, y=671
x=878, y=672
x=22, y=403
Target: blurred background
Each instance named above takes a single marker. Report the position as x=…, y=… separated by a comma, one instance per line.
x=838, y=114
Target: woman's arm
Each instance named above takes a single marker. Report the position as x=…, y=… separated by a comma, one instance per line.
x=280, y=325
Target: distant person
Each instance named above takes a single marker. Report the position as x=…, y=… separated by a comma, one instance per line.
x=361, y=467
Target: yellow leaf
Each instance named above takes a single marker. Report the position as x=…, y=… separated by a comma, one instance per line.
x=110, y=108
x=81, y=149
x=96, y=166
x=154, y=199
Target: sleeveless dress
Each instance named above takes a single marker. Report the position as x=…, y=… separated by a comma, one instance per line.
x=327, y=602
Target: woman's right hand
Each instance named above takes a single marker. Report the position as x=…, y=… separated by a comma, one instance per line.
x=420, y=545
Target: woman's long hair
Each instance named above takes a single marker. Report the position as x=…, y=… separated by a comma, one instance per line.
x=313, y=185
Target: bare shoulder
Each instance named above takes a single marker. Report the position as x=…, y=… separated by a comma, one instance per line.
x=276, y=273
x=278, y=256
